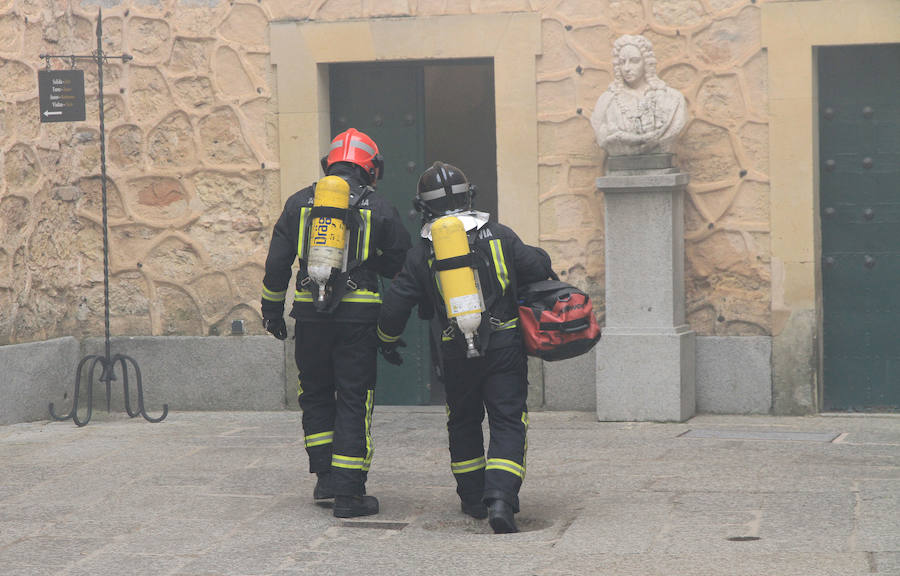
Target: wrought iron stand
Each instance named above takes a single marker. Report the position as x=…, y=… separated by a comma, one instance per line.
x=106, y=362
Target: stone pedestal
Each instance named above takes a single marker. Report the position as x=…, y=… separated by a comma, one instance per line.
x=646, y=357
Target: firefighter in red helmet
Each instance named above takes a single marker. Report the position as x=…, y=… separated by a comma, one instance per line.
x=345, y=236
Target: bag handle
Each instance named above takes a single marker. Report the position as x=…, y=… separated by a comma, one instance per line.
x=567, y=327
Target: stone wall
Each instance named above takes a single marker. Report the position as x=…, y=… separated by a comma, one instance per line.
x=36, y=374
x=193, y=160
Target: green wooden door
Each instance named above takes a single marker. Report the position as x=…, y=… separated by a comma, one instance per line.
x=859, y=142
x=386, y=102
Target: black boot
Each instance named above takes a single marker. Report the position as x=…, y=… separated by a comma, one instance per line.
x=474, y=508
x=502, y=517
x=323, y=490
x=352, y=506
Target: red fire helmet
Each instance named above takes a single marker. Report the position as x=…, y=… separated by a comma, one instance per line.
x=357, y=148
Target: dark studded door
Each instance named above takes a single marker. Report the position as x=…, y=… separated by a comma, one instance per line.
x=859, y=143
x=419, y=112
x=385, y=102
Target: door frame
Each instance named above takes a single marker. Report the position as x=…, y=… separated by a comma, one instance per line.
x=302, y=51
x=791, y=31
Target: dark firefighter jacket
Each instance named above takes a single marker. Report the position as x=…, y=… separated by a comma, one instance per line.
x=378, y=243
x=501, y=259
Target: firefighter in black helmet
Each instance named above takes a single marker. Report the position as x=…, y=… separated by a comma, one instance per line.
x=335, y=312
x=482, y=362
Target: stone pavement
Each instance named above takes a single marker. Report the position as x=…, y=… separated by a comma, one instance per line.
x=227, y=493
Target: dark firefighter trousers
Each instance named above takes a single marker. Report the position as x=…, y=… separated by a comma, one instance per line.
x=497, y=382
x=337, y=365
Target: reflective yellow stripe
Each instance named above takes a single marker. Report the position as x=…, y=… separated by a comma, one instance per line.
x=525, y=453
x=273, y=296
x=363, y=296
x=348, y=462
x=319, y=439
x=299, y=388
x=384, y=337
x=368, y=217
x=301, y=237
x=500, y=264
x=467, y=465
x=364, y=236
x=506, y=466
x=358, y=462
x=370, y=447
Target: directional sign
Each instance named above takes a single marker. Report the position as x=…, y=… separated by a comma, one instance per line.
x=61, y=94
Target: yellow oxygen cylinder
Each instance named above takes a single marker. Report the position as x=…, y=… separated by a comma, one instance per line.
x=327, y=238
x=458, y=288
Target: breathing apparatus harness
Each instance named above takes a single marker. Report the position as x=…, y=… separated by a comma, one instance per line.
x=489, y=290
x=342, y=279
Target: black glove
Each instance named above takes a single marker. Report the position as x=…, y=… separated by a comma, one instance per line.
x=276, y=327
x=390, y=352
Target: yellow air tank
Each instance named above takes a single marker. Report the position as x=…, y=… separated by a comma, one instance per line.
x=327, y=238
x=458, y=288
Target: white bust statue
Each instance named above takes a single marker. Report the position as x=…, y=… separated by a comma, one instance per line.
x=638, y=113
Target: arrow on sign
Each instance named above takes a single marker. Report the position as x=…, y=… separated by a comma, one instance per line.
x=49, y=113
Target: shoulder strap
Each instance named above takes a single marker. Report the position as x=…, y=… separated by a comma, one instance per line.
x=354, y=215
x=367, y=190
x=456, y=262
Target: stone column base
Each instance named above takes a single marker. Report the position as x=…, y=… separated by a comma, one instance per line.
x=646, y=374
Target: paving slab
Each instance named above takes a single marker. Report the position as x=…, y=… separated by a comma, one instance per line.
x=229, y=494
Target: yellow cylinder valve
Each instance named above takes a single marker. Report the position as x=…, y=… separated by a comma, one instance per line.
x=459, y=290
x=327, y=238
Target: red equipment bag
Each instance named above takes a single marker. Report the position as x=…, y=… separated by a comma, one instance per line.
x=556, y=320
